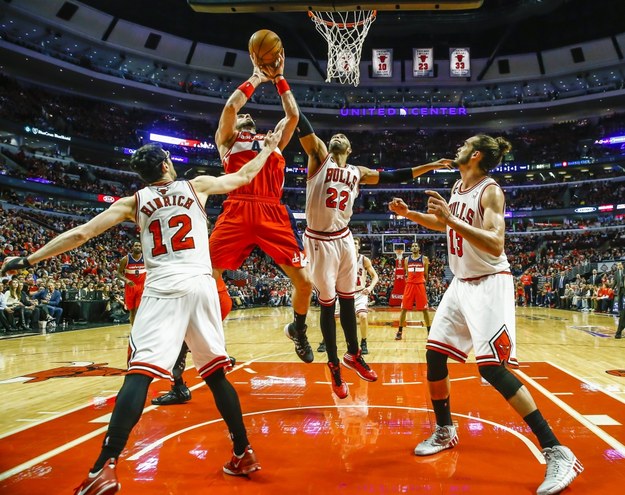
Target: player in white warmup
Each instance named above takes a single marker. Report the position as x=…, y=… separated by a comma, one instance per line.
x=477, y=310
x=179, y=303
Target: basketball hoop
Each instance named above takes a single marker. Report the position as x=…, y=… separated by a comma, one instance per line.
x=345, y=33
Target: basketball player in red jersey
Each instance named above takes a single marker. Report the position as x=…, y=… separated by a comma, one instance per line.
x=253, y=215
x=131, y=270
x=331, y=188
x=179, y=303
x=477, y=310
x=416, y=267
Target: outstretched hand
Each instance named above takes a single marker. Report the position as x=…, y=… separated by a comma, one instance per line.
x=437, y=205
x=446, y=163
x=272, y=138
x=398, y=207
x=13, y=264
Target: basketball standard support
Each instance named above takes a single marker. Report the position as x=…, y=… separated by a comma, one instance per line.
x=250, y=6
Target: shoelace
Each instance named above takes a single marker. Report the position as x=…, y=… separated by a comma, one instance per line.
x=552, y=467
x=301, y=343
x=336, y=374
x=362, y=363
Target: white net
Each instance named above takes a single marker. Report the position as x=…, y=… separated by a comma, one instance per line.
x=345, y=33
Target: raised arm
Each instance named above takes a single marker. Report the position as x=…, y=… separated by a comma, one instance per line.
x=291, y=110
x=205, y=185
x=428, y=220
x=226, y=130
x=369, y=176
x=120, y=211
x=314, y=147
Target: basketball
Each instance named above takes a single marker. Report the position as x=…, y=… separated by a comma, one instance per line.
x=265, y=46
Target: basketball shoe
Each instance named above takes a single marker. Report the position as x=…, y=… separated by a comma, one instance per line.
x=302, y=347
x=339, y=386
x=179, y=394
x=243, y=465
x=562, y=468
x=357, y=363
x=398, y=335
x=444, y=437
x=104, y=482
x=322, y=347
x=363, y=346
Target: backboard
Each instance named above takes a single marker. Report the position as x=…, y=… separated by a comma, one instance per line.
x=249, y=6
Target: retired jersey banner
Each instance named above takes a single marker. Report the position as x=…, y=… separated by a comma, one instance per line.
x=382, y=62
x=423, y=62
x=459, y=62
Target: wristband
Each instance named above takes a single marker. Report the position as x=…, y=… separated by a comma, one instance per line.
x=247, y=88
x=282, y=86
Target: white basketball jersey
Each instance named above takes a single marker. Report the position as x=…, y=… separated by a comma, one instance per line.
x=464, y=260
x=330, y=196
x=174, y=237
x=361, y=273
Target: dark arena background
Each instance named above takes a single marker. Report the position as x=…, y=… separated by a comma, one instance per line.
x=85, y=83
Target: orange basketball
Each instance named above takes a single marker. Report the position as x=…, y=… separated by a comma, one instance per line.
x=265, y=46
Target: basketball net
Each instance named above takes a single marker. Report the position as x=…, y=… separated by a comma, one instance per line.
x=345, y=33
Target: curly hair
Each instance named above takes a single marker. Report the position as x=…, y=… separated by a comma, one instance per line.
x=146, y=161
x=492, y=149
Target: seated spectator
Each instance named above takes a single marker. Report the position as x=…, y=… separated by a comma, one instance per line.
x=49, y=301
x=14, y=306
x=605, y=298
x=32, y=312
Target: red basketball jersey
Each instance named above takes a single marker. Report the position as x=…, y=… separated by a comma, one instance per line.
x=270, y=180
x=135, y=270
x=416, y=271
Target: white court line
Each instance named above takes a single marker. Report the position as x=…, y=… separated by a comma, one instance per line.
x=610, y=440
x=562, y=393
x=402, y=383
x=51, y=453
x=595, y=386
x=528, y=443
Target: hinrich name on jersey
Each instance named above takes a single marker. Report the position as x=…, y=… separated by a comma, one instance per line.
x=341, y=175
x=467, y=215
x=174, y=200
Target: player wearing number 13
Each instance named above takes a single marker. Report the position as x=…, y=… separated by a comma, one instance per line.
x=477, y=310
x=179, y=303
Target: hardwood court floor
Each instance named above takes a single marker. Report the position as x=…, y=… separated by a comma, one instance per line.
x=56, y=406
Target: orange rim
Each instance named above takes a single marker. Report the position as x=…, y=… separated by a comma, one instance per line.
x=341, y=25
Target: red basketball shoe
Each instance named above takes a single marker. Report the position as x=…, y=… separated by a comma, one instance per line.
x=104, y=482
x=357, y=363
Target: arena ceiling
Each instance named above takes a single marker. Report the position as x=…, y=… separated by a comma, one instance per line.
x=502, y=26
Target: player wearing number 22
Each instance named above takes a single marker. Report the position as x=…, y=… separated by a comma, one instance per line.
x=331, y=189
x=477, y=310
x=180, y=301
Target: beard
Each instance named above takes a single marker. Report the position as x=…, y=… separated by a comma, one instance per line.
x=337, y=147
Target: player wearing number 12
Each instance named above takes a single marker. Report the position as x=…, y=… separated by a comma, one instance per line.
x=180, y=301
x=477, y=310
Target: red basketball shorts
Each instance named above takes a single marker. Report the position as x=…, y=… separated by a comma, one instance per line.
x=245, y=224
x=132, y=296
x=414, y=296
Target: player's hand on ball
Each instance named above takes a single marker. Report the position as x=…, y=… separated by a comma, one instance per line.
x=13, y=264
x=258, y=72
x=398, y=207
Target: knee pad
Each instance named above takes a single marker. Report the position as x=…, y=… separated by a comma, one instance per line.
x=501, y=379
x=437, y=366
